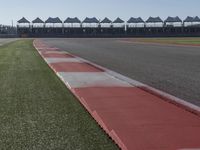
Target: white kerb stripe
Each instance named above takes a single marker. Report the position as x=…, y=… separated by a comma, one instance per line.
x=91, y=79
x=57, y=60
x=56, y=52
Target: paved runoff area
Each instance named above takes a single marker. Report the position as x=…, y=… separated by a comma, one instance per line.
x=173, y=69
x=134, y=118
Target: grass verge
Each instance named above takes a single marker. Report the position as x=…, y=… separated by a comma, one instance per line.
x=36, y=109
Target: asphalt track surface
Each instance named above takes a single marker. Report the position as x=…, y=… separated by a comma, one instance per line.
x=173, y=69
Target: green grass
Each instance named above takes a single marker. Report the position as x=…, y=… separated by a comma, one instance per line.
x=37, y=111
x=183, y=41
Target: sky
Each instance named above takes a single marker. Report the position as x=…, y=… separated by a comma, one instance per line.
x=16, y=9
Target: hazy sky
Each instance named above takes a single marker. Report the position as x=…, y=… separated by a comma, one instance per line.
x=15, y=9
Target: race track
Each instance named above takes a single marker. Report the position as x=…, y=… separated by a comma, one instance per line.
x=173, y=69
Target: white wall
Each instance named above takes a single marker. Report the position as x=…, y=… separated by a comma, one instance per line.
x=24, y=25
x=136, y=25
x=50, y=25
x=38, y=25
x=74, y=25
x=154, y=24
x=106, y=25
x=90, y=25
x=118, y=25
